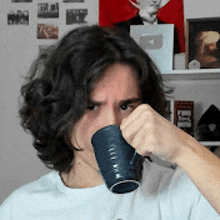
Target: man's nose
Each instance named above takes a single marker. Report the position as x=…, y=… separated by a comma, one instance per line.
x=112, y=118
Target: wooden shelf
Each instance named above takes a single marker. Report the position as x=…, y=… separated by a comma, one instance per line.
x=210, y=143
x=200, y=74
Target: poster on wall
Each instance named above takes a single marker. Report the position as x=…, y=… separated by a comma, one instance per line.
x=46, y=31
x=125, y=13
x=45, y=50
x=203, y=43
x=73, y=0
x=48, y=10
x=42, y=49
x=18, y=17
x=21, y=1
x=157, y=41
x=76, y=16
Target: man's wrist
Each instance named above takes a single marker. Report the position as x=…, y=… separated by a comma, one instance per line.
x=188, y=153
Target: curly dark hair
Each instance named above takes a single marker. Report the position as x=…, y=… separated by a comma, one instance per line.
x=57, y=88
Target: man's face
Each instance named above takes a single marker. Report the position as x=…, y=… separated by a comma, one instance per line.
x=149, y=8
x=211, y=48
x=115, y=96
x=152, y=4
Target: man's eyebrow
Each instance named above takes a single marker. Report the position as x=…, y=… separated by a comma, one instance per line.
x=93, y=102
x=130, y=101
x=122, y=102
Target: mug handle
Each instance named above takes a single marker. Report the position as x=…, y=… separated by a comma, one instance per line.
x=134, y=158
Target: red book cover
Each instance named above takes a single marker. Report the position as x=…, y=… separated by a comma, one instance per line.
x=182, y=115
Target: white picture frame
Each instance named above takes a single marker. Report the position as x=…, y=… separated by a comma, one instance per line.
x=203, y=43
x=158, y=41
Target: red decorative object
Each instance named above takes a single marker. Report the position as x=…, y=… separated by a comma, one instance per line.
x=114, y=11
x=173, y=13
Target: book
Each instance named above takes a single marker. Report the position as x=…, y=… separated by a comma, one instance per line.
x=182, y=114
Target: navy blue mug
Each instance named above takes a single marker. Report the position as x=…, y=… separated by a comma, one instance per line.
x=116, y=160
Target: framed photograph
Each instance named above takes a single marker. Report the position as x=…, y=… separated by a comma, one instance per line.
x=48, y=10
x=76, y=16
x=73, y=0
x=18, y=17
x=203, y=43
x=45, y=31
x=21, y=1
x=158, y=42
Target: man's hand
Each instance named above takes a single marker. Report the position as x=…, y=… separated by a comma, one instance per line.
x=148, y=132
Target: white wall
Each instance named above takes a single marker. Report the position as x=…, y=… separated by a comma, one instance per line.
x=18, y=47
x=201, y=8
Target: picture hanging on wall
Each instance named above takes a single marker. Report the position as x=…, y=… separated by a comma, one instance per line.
x=45, y=31
x=18, y=17
x=157, y=41
x=15, y=1
x=48, y=10
x=73, y=0
x=76, y=16
x=203, y=43
x=42, y=49
x=45, y=50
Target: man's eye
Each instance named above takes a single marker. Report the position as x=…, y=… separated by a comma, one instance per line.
x=92, y=107
x=125, y=107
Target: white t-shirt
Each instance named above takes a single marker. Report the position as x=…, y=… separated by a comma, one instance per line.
x=164, y=194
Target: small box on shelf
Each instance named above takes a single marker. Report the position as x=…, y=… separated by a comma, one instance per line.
x=182, y=114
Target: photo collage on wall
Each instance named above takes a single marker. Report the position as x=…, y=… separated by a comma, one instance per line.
x=76, y=16
x=73, y=0
x=47, y=11
x=18, y=17
x=49, y=16
x=21, y=0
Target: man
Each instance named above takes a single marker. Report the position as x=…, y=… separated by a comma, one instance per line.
x=206, y=49
x=149, y=9
x=96, y=77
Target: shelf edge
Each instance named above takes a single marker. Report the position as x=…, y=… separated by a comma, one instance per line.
x=210, y=143
x=191, y=75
